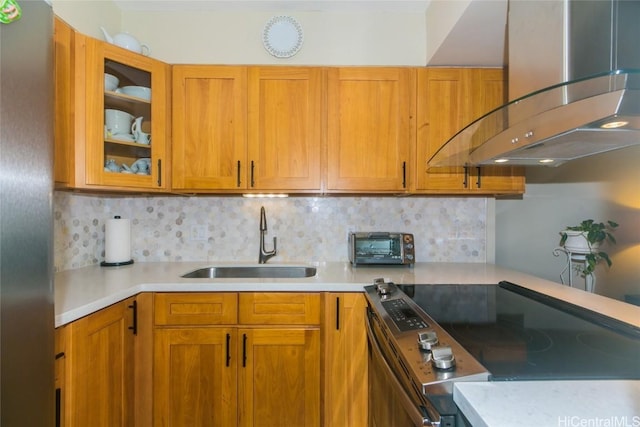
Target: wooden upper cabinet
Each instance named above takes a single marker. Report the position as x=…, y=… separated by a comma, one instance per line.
x=370, y=128
x=209, y=128
x=102, y=146
x=488, y=94
x=63, y=37
x=444, y=104
x=448, y=100
x=247, y=128
x=285, y=120
x=83, y=144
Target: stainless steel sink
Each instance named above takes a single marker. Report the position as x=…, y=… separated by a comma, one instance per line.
x=252, y=272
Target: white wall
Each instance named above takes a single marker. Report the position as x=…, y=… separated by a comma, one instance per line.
x=603, y=187
x=440, y=20
x=448, y=33
x=235, y=37
x=231, y=36
x=87, y=16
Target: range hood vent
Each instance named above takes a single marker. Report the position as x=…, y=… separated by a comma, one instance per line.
x=564, y=122
x=591, y=46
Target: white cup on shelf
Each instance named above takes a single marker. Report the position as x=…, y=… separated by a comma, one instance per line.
x=111, y=82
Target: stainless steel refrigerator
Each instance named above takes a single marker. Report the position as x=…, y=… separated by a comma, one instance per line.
x=26, y=226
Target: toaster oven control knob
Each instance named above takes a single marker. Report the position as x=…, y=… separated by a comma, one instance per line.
x=442, y=357
x=427, y=340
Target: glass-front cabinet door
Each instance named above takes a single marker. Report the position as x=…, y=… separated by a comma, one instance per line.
x=127, y=119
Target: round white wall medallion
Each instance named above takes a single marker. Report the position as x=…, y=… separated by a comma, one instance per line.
x=282, y=36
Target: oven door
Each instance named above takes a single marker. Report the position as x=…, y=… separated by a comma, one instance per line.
x=390, y=404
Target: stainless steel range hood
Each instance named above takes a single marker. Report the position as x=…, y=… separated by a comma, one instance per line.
x=552, y=126
x=591, y=113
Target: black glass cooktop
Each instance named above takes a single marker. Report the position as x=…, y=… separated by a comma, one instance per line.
x=519, y=334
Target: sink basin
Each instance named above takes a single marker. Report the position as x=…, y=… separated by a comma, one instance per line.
x=252, y=272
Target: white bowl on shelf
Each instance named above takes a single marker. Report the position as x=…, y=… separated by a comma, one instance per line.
x=117, y=122
x=111, y=82
x=137, y=91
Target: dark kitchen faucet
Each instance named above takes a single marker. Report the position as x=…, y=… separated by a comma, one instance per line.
x=264, y=254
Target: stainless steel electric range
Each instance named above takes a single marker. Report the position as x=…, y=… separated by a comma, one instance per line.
x=424, y=338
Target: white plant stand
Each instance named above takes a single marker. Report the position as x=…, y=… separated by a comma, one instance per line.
x=574, y=258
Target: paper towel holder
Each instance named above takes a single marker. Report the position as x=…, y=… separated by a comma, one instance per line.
x=116, y=264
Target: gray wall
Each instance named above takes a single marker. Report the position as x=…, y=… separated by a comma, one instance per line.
x=602, y=187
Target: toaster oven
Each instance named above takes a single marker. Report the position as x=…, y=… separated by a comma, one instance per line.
x=381, y=248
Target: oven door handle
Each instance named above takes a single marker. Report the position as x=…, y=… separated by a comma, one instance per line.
x=416, y=415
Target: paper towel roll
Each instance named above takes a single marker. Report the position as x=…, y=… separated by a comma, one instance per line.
x=117, y=241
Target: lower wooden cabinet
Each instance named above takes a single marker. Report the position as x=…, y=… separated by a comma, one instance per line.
x=345, y=353
x=97, y=371
x=59, y=376
x=216, y=359
x=279, y=377
x=232, y=374
x=195, y=378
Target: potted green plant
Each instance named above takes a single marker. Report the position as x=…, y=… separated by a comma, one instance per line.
x=586, y=239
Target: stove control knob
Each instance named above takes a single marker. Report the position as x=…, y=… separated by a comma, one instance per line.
x=427, y=340
x=383, y=288
x=442, y=357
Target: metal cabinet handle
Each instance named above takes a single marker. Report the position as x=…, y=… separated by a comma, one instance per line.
x=58, y=422
x=337, y=313
x=238, y=177
x=228, y=350
x=159, y=172
x=244, y=350
x=134, y=326
x=465, y=182
x=478, y=183
x=404, y=174
x=253, y=184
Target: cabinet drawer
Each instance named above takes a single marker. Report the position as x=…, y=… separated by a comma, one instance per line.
x=279, y=308
x=215, y=308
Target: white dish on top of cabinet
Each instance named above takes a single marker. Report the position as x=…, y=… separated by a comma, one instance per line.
x=282, y=36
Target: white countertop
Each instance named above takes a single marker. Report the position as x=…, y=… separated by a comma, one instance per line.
x=550, y=403
x=85, y=290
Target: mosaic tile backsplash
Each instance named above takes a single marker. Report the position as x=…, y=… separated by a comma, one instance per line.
x=226, y=229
